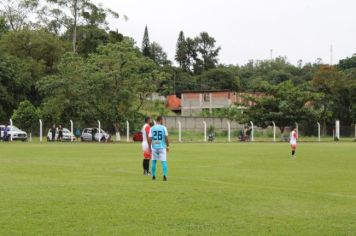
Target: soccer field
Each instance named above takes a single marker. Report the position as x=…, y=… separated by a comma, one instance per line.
x=212, y=189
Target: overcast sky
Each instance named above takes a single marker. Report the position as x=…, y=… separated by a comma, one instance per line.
x=246, y=29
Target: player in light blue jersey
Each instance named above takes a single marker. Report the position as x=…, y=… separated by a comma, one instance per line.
x=159, y=144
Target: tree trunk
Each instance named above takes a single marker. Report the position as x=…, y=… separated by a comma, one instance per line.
x=75, y=12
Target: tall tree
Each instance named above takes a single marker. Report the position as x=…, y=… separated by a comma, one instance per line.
x=81, y=12
x=158, y=55
x=146, y=45
x=182, y=52
x=17, y=13
x=208, y=52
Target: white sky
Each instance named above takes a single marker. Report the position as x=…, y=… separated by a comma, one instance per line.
x=246, y=29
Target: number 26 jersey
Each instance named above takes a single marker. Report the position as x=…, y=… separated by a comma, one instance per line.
x=158, y=135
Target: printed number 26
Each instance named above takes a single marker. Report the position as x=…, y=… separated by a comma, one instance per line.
x=158, y=135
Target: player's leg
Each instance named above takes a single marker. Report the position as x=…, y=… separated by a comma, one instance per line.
x=294, y=147
x=163, y=158
x=154, y=165
x=165, y=169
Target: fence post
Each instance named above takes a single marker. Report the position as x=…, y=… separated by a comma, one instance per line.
x=205, y=131
x=11, y=124
x=252, y=131
x=71, y=130
x=180, y=131
x=228, y=131
x=99, y=126
x=274, y=131
x=127, y=131
x=319, y=139
x=337, y=130
x=41, y=131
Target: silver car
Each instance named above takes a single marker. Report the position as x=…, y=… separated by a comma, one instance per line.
x=92, y=134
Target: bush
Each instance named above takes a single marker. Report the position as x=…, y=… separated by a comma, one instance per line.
x=26, y=116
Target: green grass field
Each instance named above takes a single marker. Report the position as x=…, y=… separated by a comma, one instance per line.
x=213, y=189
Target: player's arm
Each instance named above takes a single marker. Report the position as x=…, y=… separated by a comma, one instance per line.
x=149, y=140
x=167, y=139
x=147, y=129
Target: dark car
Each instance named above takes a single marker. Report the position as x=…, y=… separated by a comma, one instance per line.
x=137, y=137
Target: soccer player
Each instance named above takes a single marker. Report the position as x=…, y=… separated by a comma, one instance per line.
x=159, y=144
x=293, y=141
x=145, y=147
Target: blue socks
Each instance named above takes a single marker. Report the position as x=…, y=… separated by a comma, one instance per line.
x=164, y=167
x=154, y=164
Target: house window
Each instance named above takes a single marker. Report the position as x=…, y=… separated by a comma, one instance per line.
x=206, y=97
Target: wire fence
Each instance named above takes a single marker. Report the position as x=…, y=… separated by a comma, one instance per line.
x=181, y=129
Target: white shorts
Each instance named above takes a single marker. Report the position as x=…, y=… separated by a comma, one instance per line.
x=145, y=146
x=159, y=154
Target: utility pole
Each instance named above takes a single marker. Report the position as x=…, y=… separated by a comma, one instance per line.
x=271, y=54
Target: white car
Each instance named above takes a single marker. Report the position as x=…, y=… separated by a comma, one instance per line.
x=67, y=135
x=16, y=133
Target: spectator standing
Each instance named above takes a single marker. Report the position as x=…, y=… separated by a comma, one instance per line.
x=6, y=134
x=60, y=133
x=77, y=133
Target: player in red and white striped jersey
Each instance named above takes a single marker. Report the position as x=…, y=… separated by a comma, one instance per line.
x=145, y=148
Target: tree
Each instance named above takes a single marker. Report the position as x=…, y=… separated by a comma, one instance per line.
x=111, y=85
x=182, y=52
x=192, y=55
x=283, y=104
x=88, y=39
x=208, y=52
x=17, y=13
x=146, y=45
x=221, y=77
x=348, y=63
x=27, y=116
x=158, y=55
x=80, y=10
x=65, y=93
x=4, y=28
x=11, y=89
x=36, y=54
x=122, y=79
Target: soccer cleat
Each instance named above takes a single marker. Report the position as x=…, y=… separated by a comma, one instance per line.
x=165, y=178
x=148, y=173
x=153, y=177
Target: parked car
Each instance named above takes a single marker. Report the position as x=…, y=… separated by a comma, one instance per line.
x=89, y=133
x=67, y=135
x=16, y=133
x=137, y=136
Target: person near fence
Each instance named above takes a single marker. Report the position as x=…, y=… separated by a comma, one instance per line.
x=293, y=141
x=159, y=145
x=6, y=134
x=53, y=132
x=60, y=133
x=77, y=133
x=145, y=148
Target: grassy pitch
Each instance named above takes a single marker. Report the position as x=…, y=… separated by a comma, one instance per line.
x=213, y=189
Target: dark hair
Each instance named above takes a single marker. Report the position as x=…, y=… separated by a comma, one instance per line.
x=147, y=118
x=159, y=118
